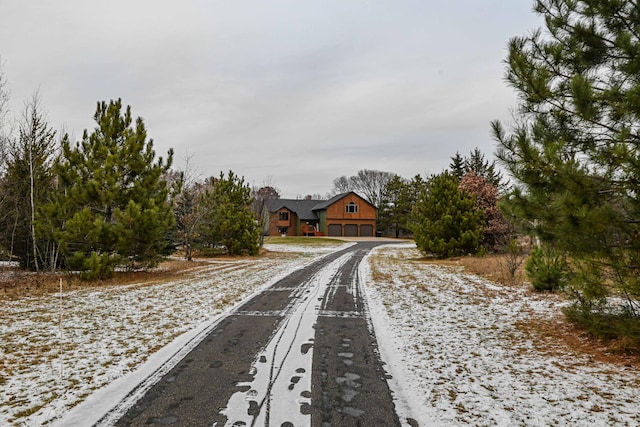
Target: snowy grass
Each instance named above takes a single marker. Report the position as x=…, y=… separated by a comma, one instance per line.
x=50, y=363
x=458, y=347
x=459, y=355
x=304, y=244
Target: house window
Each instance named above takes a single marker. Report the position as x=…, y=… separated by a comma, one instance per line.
x=283, y=230
x=352, y=207
x=283, y=216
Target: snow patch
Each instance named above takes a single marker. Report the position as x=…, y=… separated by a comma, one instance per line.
x=111, y=339
x=457, y=357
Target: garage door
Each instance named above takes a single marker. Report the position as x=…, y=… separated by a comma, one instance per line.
x=335, y=230
x=351, y=230
x=366, y=230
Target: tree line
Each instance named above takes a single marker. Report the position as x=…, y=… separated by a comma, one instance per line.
x=448, y=214
x=452, y=213
x=108, y=200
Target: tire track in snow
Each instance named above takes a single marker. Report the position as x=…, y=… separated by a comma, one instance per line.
x=261, y=354
x=280, y=391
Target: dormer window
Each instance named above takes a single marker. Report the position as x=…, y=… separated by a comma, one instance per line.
x=283, y=216
x=352, y=207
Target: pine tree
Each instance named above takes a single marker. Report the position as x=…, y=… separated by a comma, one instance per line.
x=457, y=166
x=112, y=200
x=574, y=152
x=476, y=163
x=445, y=221
x=395, y=209
x=228, y=219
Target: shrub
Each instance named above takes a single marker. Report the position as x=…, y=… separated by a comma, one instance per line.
x=445, y=222
x=547, y=269
x=512, y=258
x=95, y=266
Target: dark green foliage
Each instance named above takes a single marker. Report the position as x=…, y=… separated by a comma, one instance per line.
x=112, y=205
x=228, y=220
x=93, y=266
x=547, y=269
x=476, y=163
x=445, y=222
x=606, y=325
x=575, y=148
x=457, y=166
x=394, y=211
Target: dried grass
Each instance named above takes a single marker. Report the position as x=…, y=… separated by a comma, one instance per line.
x=16, y=283
x=490, y=267
x=553, y=335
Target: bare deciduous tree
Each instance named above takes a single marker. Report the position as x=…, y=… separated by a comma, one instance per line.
x=187, y=213
x=368, y=183
x=4, y=111
x=268, y=191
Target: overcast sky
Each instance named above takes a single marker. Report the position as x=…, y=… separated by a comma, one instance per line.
x=295, y=93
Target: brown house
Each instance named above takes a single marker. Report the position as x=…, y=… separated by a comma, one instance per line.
x=346, y=214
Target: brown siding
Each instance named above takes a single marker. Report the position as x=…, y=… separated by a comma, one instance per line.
x=337, y=213
x=275, y=223
x=338, y=209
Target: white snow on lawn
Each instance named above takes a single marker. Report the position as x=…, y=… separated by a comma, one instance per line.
x=451, y=343
x=108, y=333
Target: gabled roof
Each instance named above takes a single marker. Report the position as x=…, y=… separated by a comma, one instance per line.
x=302, y=208
x=326, y=203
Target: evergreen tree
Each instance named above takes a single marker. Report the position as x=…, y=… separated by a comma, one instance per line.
x=112, y=201
x=395, y=210
x=476, y=163
x=457, y=166
x=574, y=152
x=445, y=221
x=25, y=186
x=228, y=219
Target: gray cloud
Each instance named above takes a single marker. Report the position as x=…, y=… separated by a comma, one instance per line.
x=301, y=92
